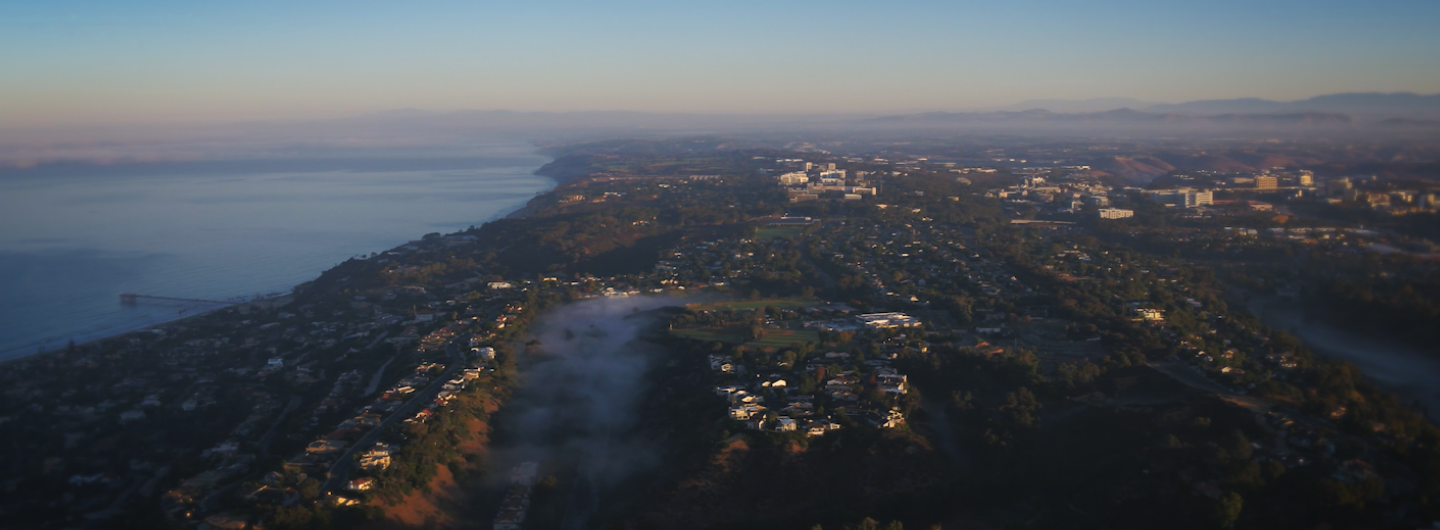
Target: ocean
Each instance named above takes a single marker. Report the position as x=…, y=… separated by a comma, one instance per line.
x=73, y=237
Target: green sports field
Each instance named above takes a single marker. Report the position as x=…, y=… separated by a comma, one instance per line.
x=772, y=232
x=774, y=338
x=737, y=305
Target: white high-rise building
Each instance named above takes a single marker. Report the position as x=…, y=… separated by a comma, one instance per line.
x=1306, y=178
x=1195, y=199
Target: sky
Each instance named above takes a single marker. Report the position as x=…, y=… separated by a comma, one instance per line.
x=148, y=61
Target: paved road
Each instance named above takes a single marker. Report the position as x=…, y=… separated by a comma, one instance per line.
x=209, y=503
x=377, y=340
x=1189, y=376
x=269, y=436
x=1183, y=373
x=375, y=381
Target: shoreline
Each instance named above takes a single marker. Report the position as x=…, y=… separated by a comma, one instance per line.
x=516, y=213
x=157, y=325
x=560, y=175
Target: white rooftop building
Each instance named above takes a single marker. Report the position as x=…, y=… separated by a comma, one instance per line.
x=888, y=320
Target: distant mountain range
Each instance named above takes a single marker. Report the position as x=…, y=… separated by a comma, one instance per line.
x=1123, y=116
x=1332, y=112
x=1363, y=106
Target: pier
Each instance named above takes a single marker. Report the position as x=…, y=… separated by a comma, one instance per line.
x=132, y=299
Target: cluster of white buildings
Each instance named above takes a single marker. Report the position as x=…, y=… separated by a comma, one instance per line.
x=1183, y=197
x=813, y=180
x=796, y=412
x=517, y=500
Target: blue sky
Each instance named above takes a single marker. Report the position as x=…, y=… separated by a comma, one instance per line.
x=150, y=60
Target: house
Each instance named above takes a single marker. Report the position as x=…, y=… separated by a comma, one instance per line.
x=499, y=285
x=374, y=462
x=1150, y=314
x=892, y=383
x=228, y=522
x=340, y=500
x=888, y=420
x=745, y=412
x=321, y=447
x=785, y=425
x=226, y=447
x=820, y=427
x=131, y=415
x=360, y=484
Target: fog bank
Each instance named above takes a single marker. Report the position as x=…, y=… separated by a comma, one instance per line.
x=1408, y=372
x=577, y=407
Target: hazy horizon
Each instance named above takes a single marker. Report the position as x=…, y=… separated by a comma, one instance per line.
x=156, y=61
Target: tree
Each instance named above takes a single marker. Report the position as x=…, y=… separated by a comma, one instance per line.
x=1238, y=446
x=757, y=332
x=292, y=517
x=1227, y=510
x=309, y=489
x=1020, y=406
x=963, y=402
x=865, y=524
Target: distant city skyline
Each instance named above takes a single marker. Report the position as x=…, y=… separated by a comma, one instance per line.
x=166, y=61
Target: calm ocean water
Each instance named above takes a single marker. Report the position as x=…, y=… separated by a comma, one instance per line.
x=73, y=238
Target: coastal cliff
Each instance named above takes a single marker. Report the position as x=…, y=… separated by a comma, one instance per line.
x=563, y=170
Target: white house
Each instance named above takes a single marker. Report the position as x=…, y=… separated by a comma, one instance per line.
x=785, y=425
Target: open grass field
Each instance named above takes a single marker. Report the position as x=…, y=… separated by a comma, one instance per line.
x=782, y=338
x=772, y=232
x=737, y=305
x=709, y=334
x=774, y=338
